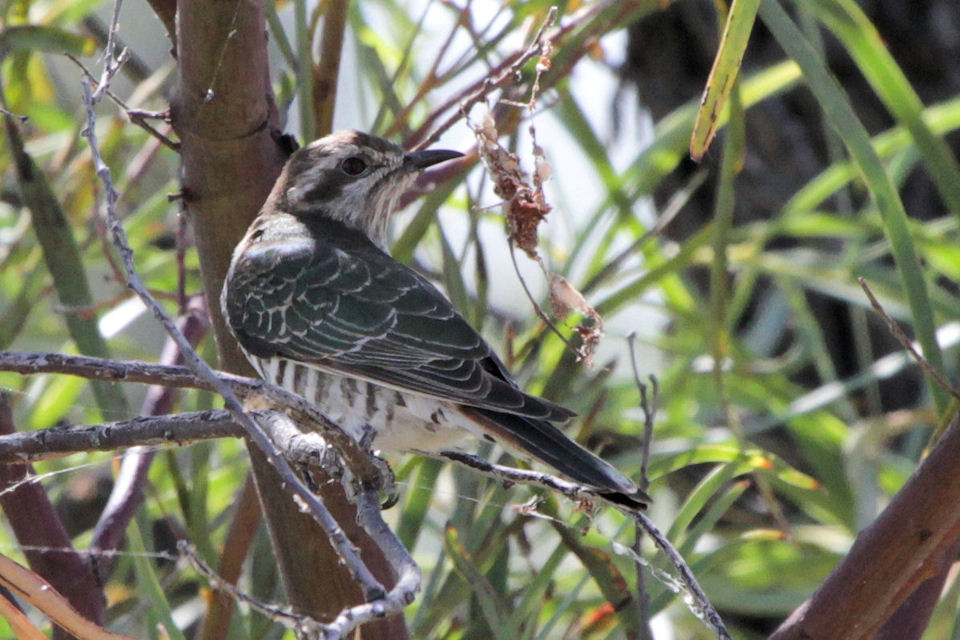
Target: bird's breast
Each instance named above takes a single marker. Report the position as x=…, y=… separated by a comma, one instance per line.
x=400, y=421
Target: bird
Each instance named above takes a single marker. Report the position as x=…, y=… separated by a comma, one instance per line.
x=320, y=307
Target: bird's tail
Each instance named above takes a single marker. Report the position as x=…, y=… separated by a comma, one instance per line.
x=546, y=443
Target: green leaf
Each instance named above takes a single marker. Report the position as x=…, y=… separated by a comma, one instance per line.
x=453, y=277
x=723, y=75
x=841, y=116
x=56, y=401
x=149, y=584
x=492, y=604
x=62, y=256
x=41, y=38
x=850, y=24
x=607, y=577
x=418, y=501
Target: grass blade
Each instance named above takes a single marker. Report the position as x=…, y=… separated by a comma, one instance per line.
x=841, y=116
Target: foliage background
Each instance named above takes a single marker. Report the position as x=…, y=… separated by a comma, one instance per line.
x=787, y=415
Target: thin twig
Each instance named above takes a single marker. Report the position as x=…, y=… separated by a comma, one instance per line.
x=502, y=76
x=181, y=376
x=406, y=570
x=127, y=495
x=511, y=475
x=431, y=80
x=506, y=72
x=111, y=61
x=540, y=312
x=408, y=581
x=138, y=117
x=907, y=342
x=648, y=407
x=649, y=412
x=275, y=613
x=7, y=112
x=698, y=604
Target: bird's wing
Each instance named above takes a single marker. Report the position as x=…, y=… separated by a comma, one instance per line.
x=348, y=307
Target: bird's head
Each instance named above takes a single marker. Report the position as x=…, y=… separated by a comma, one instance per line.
x=353, y=177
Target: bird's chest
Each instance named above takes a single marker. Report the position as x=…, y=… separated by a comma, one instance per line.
x=400, y=421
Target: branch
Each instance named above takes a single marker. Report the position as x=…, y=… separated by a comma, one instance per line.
x=304, y=625
x=368, y=514
x=505, y=73
x=138, y=117
x=406, y=570
x=305, y=448
x=179, y=429
x=502, y=76
x=906, y=545
x=510, y=475
x=902, y=338
x=300, y=445
x=698, y=603
x=27, y=363
x=229, y=128
x=290, y=443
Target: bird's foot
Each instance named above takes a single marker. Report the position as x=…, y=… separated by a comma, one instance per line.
x=385, y=482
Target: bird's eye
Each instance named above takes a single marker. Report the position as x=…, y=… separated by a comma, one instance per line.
x=353, y=166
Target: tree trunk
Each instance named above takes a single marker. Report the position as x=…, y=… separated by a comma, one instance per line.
x=226, y=119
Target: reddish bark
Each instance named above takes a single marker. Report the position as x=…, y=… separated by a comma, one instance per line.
x=911, y=542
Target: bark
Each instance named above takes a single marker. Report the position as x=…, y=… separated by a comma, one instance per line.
x=910, y=543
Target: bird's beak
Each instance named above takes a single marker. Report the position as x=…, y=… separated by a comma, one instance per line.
x=417, y=160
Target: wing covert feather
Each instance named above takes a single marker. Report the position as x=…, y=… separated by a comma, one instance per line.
x=350, y=308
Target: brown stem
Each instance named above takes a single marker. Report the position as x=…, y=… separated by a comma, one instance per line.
x=36, y=525
x=913, y=616
x=361, y=463
x=242, y=531
x=904, y=547
x=327, y=71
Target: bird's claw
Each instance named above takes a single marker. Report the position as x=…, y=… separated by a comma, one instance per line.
x=387, y=483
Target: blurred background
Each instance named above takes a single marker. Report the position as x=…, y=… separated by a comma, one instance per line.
x=787, y=412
